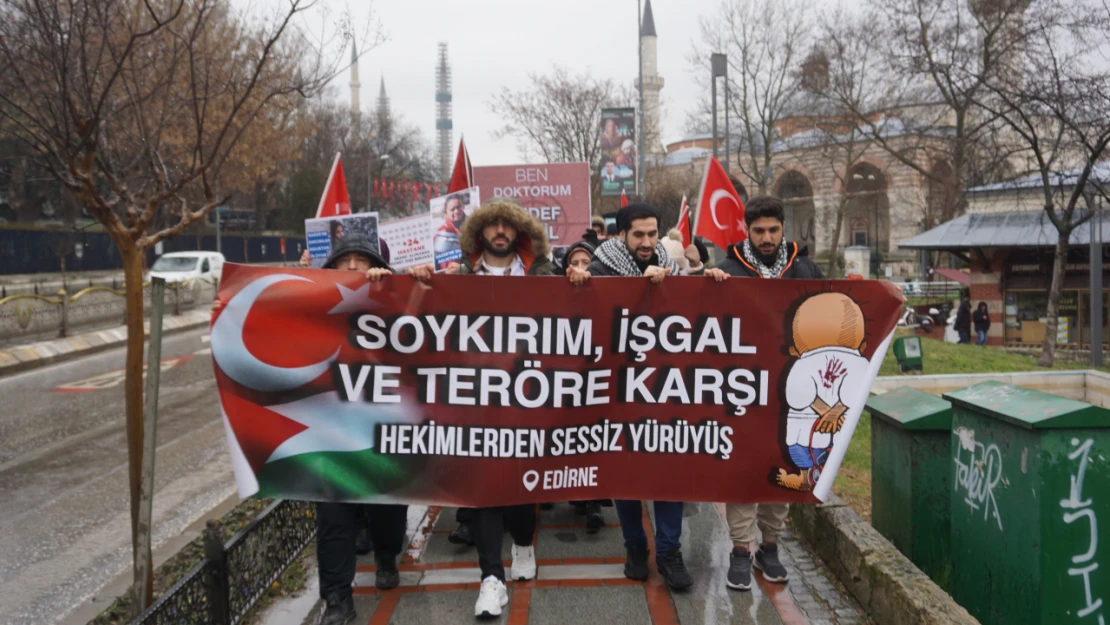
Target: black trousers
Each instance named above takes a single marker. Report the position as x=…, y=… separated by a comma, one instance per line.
x=337, y=524
x=464, y=515
x=489, y=527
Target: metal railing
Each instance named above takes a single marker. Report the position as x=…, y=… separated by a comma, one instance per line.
x=33, y=316
x=235, y=575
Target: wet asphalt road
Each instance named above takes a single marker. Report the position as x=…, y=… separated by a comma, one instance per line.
x=64, y=518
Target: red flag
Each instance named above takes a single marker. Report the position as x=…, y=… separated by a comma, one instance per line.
x=720, y=211
x=375, y=187
x=392, y=187
x=415, y=193
x=624, y=199
x=462, y=176
x=335, y=200
x=684, y=222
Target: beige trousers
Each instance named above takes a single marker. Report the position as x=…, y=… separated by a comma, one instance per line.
x=742, y=518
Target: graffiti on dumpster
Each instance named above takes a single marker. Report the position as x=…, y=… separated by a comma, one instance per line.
x=977, y=473
x=1076, y=507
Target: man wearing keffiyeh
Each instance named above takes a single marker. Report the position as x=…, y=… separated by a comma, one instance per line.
x=765, y=254
x=636, y=252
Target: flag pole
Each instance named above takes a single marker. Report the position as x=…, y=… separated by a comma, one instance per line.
x=701, y=196
x=640, y=181
x=327, y=185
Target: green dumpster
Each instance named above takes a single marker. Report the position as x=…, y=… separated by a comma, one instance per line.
x=1030, y=483
x=907, y=350
x=911, y=476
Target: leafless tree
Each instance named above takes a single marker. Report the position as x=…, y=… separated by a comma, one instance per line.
x=764, y=41
x=929, y=63
x=557, y=118
x=136, y=107
x=1059, y=109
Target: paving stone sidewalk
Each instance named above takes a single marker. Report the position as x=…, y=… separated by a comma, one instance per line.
x=580, y=580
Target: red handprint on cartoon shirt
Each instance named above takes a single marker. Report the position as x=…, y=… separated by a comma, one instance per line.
x=834, y=370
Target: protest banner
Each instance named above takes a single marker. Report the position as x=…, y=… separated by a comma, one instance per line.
x=617, y=167
x=324, y=234
x=409, y=240
x=476, y=391
x=558, y=194
x=448, y=212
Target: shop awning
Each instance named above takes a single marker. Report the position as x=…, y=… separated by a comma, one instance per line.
x=955, y=275
x=1018, y=229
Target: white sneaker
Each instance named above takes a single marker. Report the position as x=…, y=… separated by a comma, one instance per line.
x=524, y=562
x=491, y=598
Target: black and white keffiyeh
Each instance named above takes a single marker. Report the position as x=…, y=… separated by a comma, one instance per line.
x=753, y=259
x=614, y=254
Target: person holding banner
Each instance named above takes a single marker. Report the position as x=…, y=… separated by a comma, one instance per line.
x=503, y=239
x=637, y=252
x=764, y=254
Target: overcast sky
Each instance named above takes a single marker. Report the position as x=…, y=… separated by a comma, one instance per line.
x=494, y=44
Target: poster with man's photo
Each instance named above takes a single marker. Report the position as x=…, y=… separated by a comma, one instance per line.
x=325, y=234
x=618, y=151
x=449, y=212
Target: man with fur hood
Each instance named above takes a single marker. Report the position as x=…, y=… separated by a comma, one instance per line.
x=502, y=239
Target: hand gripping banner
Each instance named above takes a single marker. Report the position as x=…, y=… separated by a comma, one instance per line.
x=479, y=391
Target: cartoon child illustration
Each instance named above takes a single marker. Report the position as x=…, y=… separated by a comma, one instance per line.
x=828, y=341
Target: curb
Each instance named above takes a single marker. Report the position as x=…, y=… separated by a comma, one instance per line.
x=885, y=582
x=28, y=357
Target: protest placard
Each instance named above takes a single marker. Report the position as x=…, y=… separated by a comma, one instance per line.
x=323, y=235
x=409, y=240
x=558, y=194
x=476, y=391
x=448, y=214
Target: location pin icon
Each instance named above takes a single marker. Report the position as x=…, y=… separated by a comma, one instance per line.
x=531, y=478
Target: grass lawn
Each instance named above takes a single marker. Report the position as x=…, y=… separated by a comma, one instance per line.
x=853, y=481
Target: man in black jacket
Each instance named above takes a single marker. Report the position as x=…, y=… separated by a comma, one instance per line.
x=764, y=254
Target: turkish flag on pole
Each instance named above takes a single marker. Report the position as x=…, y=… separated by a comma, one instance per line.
x=684, y=222
x=624, y=199
x=462, y=176
x=335, y=200
x=720, y=211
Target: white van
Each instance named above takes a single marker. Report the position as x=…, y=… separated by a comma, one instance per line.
x=182, y=266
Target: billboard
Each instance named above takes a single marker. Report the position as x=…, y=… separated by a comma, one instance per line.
x=558, y=194
x=617, y=167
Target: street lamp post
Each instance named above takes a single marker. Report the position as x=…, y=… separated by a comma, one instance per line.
x=641, y=190
x=1094, y=204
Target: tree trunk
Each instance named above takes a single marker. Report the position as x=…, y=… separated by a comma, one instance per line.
x=1048, y=348
x=133, y=382
x=833, y=250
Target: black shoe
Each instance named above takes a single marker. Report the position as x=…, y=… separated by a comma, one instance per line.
x=767, y=560
x=636, y=563
x=461, y=535
x=594, y=520
x=338, y=611
x=387, y=576
x=739, y=569
x=547, y=506
x=579, y=507
x=674, y=570
x=363, y=545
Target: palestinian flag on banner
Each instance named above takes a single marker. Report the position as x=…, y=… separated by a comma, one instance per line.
x=289, y=431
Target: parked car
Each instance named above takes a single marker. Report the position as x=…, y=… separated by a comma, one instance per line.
x=182, y=266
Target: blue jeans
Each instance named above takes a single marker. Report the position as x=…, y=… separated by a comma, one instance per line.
x=668, y=524
x=965, y=336
x=982, y=337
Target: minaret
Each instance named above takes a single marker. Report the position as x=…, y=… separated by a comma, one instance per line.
x=653, y=83
x=383, y=103
x=444, y=138
x=356, y=111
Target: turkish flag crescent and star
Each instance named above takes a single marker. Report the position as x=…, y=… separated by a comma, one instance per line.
x=478, y=391
x=335, y=200
x=462, y=176
x=720, y=211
